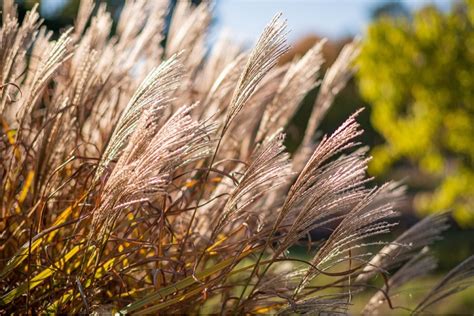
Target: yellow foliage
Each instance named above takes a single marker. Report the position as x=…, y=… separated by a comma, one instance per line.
x=418, y=75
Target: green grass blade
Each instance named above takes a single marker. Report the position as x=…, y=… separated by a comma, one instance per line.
x=181, y=285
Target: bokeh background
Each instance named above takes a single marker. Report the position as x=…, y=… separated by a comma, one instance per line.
x=415, y=80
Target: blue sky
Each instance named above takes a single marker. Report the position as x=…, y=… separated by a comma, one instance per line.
x=244, y=19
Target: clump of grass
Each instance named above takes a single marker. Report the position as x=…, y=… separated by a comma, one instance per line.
x=143, y=179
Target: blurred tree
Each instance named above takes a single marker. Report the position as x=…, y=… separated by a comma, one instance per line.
x=391, y=8
x=418, y=74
